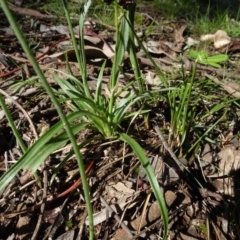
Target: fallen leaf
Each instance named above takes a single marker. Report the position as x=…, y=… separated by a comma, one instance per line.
x=152, y=214
x=91, y=53
x=119, y=190
x=121, y=234
x=153, y=79
x=229, y=160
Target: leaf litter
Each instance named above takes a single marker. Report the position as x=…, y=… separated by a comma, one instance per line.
x=124, y=207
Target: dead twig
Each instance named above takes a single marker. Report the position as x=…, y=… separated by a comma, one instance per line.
x=23, y=111
x=43, y=205
x=12, y=194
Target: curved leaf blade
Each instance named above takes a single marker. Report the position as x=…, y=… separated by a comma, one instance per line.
x=151, y=177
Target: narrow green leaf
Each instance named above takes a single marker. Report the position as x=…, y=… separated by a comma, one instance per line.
x=38, y=152
x=98, y=96
x=151, y=177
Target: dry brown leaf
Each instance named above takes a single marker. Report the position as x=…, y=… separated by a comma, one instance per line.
x=119, y=190
x=121, y=234
x=94, y=40
x=153, y=79
x=229, y=164
x=178, y=34
x=91, y=53
x=152, y=214
x=232, y=88
x=229, y=160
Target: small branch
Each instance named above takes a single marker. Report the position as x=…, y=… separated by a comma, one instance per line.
x=14, y=193
x=43, y=205
x=23, y=111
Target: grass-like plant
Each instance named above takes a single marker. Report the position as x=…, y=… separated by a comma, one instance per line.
x=102, y=113
x=105, y=113
x=182, y=113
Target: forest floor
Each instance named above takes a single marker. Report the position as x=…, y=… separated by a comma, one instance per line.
x=196, y=51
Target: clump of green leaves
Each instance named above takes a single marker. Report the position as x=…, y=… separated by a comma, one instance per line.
x=204, y=58
x=103, y=113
